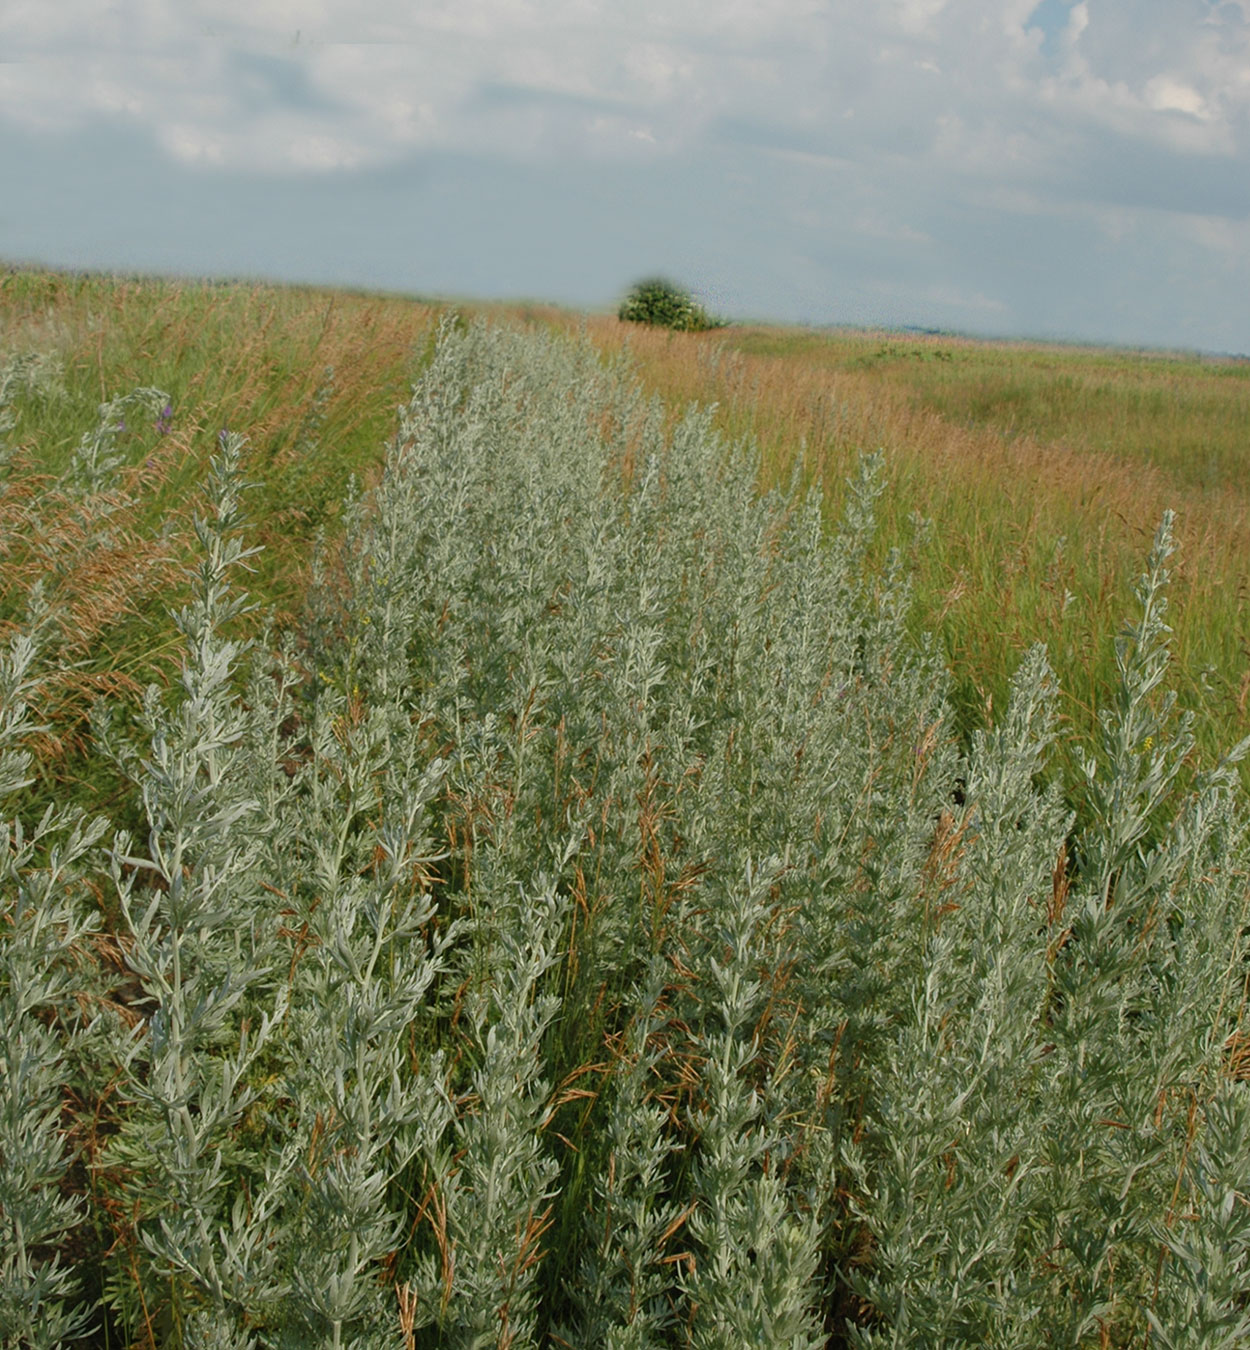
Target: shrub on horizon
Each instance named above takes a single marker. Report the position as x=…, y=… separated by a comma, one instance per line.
x=664, y=304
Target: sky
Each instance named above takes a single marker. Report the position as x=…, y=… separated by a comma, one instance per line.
x=1032, y=168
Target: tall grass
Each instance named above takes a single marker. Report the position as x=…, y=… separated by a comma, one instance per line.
x=592, y=924
x=1047, y=470
x=313, y=378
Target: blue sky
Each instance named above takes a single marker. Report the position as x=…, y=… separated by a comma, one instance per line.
x=1052, y=169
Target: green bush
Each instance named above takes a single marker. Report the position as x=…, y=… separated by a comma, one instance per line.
x=664, y=304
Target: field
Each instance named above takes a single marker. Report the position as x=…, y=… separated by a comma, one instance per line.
x=1046, y=469
x=526, y=830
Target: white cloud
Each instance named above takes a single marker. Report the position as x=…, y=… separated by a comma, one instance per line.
x=391, y=75
x=1176, y=74
x=1166, y=94
x=191, y=146
x=366, y=81
x=1228, y=239
x=1078, y=22
x=917, y=16
x=952, y=302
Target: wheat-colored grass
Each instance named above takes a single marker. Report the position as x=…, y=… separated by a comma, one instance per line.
x=311, y=378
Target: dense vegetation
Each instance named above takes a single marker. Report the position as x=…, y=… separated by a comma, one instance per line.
x=587, y=920
x=1047, y=470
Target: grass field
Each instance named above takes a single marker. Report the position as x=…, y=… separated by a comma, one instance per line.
x=481, y=874
x=1045, y=469
x=311, y=379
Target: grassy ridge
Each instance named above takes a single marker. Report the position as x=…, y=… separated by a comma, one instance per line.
x=311, y=378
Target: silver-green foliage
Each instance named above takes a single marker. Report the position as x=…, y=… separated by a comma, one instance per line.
x=196, y=941
x=44, y=921
x=591, y=929
x=1039, y=1171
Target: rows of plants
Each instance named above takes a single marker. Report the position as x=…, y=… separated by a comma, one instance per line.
x=592, y=928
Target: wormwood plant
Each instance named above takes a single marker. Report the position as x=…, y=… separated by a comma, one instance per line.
x=45, y=924
x=591, y=928
x=1068, y=1041
x=265, y=1115
x=195, y=943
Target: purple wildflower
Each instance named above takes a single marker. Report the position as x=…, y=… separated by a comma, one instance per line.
x=165, y=419
x=221, y=436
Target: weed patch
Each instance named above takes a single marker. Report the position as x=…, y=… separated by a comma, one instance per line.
x=590, y=924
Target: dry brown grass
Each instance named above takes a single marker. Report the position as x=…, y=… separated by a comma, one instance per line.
x=250, y=358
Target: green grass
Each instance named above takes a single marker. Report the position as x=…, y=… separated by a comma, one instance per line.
x=1045, y=470
x=1175, y=411
x=1044, y=467
x=311, y=378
